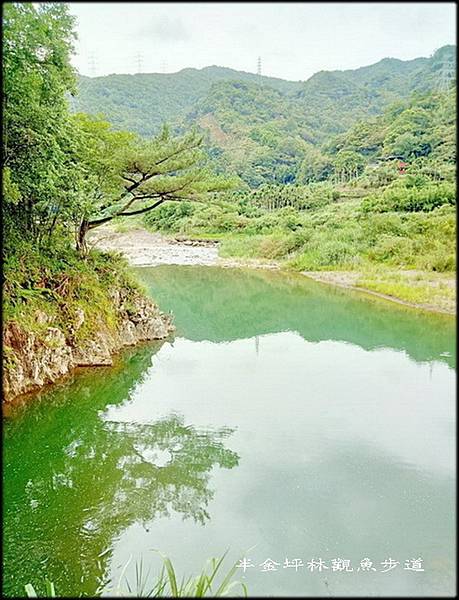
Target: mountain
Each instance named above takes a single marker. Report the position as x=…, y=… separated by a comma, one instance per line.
x=142, y=102
x=261, y=127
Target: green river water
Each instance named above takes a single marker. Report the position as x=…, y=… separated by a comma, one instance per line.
x=285, y=420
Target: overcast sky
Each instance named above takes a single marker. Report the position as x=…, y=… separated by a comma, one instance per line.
x=294, y=40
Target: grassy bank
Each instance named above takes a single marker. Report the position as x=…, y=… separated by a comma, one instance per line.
x=400, y=250
x=61, y=310
x=56, y=283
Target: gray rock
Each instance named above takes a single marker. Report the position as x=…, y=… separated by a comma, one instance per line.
x=127, y=333
x=79, y=318
x=94, y=353
x=37, y=362
x=33, y=362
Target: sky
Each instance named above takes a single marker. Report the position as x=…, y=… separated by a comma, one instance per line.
x=294, y=40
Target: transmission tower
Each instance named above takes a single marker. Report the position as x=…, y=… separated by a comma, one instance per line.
x=139, y=62
x=163, y=66
x=447, y=74
x=92, y=62
x=259, y=66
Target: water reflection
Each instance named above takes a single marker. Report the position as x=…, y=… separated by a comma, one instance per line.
x=228, y=304
x=83, y=479
x=331, y=466
x=324, y=401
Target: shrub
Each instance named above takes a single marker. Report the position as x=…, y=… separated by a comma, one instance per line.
x=375, y=225
x=440, y=261
x=326, y=254
x=57, y=281
x=411, y=199
x=216, y=219
x=391, y=248
x=170, y=216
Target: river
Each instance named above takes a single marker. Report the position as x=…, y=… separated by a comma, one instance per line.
x=286, y=421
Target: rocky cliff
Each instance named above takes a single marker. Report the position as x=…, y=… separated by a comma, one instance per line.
x=34, y=359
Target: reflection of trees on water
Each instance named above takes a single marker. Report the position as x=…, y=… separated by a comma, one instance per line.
x=160, y=468
x=83, y=480
x=148, y=471
x=228, y=304
x=73, y=481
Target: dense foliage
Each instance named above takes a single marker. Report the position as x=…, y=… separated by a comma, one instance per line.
x=143, y=102
x=268, y=130
x=346, y=169
x=39, y=150
x=275, y=139
x=64, y=173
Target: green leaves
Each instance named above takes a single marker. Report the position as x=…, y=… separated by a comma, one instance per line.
x=30, y=591
x=38, y=138
x=10, y=190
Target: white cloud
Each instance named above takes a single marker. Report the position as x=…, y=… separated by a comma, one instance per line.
x=164, y=29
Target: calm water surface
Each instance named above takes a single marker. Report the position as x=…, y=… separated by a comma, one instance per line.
x=287, y=419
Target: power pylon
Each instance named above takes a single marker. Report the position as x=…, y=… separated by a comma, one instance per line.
x=139, y=61
x=92, y=62
x=447, y=74
x=259, y=66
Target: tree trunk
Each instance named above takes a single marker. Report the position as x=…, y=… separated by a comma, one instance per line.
x=81, y=237
x=86, y=224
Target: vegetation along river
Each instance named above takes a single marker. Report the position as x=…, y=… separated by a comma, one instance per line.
x=286, y=419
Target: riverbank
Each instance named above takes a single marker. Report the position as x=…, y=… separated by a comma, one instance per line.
x=142, y=248
x=435, y=292
x=67, y=312
x=37, y=359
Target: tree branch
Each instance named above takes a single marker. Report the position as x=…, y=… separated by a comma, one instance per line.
x=179, y=151
x=143, y=210
x=97, y=222
x=129, y=179
x=145, y=176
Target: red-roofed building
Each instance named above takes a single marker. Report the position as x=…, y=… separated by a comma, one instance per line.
x=402, y=167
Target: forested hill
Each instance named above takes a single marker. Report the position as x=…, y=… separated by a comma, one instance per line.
x=142, y=102
x=261, y=128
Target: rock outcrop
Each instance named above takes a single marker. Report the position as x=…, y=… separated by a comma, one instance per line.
x=32, y=360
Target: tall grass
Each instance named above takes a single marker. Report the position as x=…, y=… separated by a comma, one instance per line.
x=168, y=584
x=401, y=226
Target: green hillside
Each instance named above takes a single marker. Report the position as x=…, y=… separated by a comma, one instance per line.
x=142, y=102
x=260, y=128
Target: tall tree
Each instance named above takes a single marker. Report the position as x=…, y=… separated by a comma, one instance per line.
x=37, y=75
x=131, y=176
